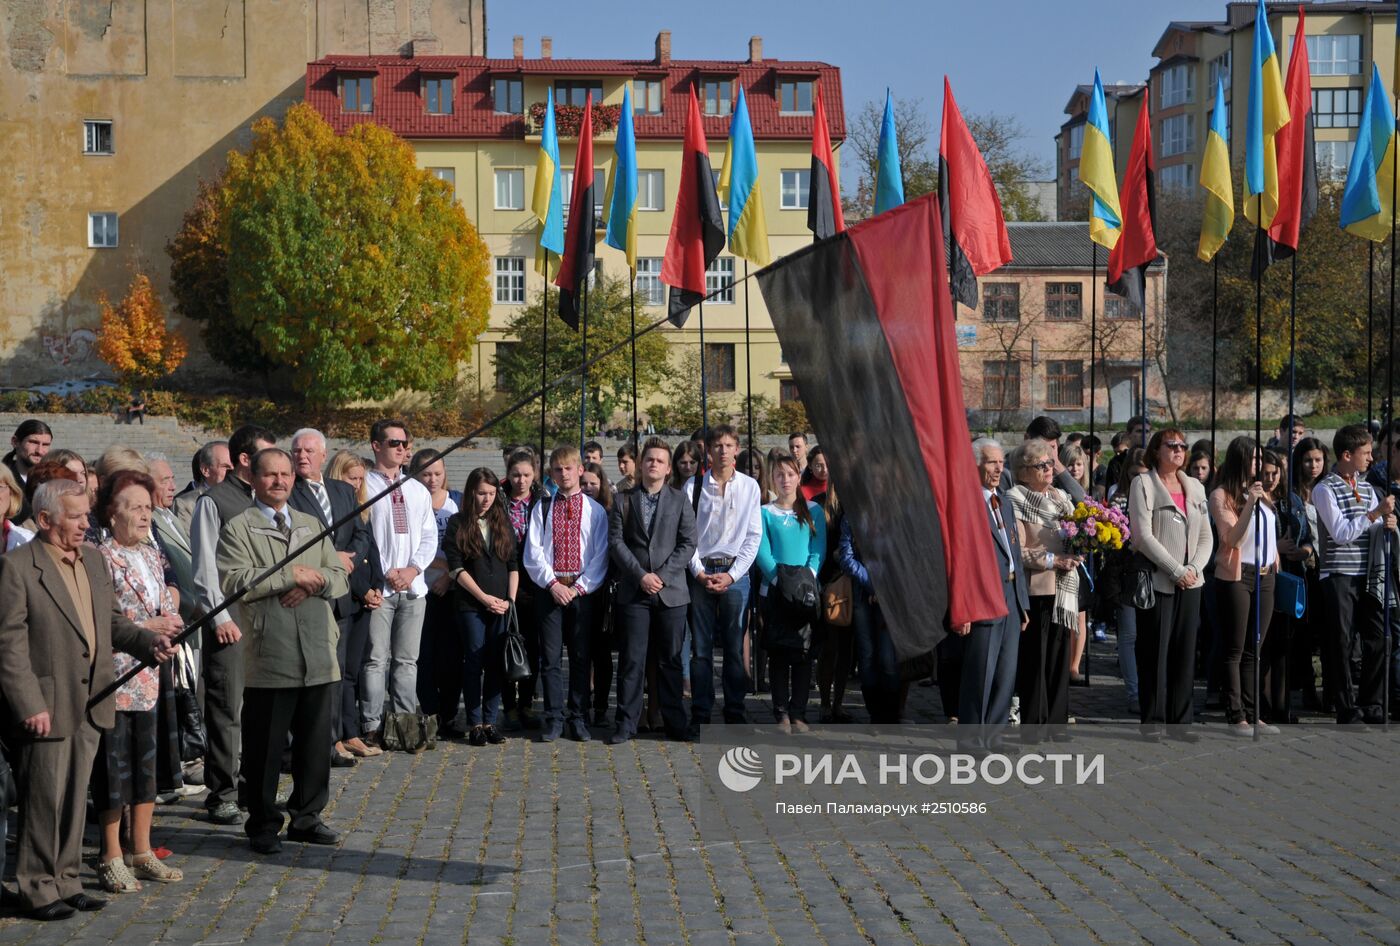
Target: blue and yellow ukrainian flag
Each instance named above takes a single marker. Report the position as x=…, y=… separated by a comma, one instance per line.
x=547, y=202
x=1268, y=112
x=1215, y=181
x=889, y=178
x=1096, y=172
x=1369, y=192
x=622, y=187
x=748, y=231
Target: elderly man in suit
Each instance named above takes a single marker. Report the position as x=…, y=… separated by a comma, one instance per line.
x=651, y=537
x=58, y=626
x=989, y=648
x=172, y=535
x=208, y=467
x=290, y=672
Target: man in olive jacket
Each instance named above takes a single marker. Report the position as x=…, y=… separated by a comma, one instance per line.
x=289, y=664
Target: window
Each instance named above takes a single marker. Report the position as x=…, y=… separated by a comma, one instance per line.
x=716, y=94
x=505, y=353
x=510, y=189
x=650, y=291
x=719, y=366
x=1118, y=307
x=1333, y=159
x=1178, y=176
x=508, y=96
x=97, y=137
x=102, y=229
x=1178, y=134
x=720, y=276
x=651, y=190
x=1076, y=141
x=1335, y=55
x=576, y=91
x=646, y=96
x=357, y=94
x=1178, y=85
x=1220, y=71
x=600, y=185
x=510, y=280
x=795, y=96
x=794, y=189
x=448, y=176
x=437, y=95
x=1064, y=301
x=1336, y=108
x=1001, y=302
x=1001, y=385
x=1064, y=385
x=787, y=392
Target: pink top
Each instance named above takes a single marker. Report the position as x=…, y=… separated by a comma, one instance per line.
x=1180, y=500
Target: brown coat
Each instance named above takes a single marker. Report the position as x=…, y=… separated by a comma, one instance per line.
x=44, y=659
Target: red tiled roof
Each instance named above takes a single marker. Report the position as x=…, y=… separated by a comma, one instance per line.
x=398, y=102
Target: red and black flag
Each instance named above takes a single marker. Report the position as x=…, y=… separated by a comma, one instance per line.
x=1137, y=246
x=973, y=225
x=576, y=263
x=1297, y=163
x=824, y=187
x=865, y=319
x=697, y=229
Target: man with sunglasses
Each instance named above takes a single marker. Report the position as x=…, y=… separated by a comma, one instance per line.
x=405, y=531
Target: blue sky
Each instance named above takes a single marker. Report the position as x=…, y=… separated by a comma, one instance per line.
x=1012, y=56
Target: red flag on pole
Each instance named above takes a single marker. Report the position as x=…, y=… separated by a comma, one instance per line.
x=973, y=224
x=697, y=229
x=1137, y=247
x=1297, y=159
x=824, y=187
x=576, y=263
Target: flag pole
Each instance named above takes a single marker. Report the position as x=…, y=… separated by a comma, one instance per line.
x=1214, y=346
x=1258, y=444
x=1370, y=333
x=1093, y=346
x=583, y=378
x=544, y=358
x=632, y=306
x=1389, y=416
x=748, y=353
x=704, y=404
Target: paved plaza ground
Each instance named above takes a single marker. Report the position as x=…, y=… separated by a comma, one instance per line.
x=1289, y=840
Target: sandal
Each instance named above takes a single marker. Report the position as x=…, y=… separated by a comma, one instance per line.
x=357, y=747
x=149, y=867
x=114, y=877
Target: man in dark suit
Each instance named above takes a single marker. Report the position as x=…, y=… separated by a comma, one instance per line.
x=651, y=537
x=58, y=626
x=330, y=501
x=989, y=648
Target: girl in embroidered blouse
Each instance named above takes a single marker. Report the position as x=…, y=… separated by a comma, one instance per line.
x=124, y=773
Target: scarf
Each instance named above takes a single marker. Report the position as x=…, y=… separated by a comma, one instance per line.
x=1045, y=510
x=1375, y=567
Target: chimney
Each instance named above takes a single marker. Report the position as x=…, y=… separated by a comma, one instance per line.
x=546, y=47
x=755, y=49
x=663, y=47
x=517, y=47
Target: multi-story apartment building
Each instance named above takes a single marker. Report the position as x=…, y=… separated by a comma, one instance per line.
x=473, y=122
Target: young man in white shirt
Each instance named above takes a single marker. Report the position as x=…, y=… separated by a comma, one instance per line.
x=566, y=556
x=405, y=532
x=728, y=527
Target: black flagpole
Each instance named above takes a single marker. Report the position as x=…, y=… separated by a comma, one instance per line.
x=583, y=378
x=1258, y=443
x=1143, y=405
x=1093, y=346
x=704, y=404
x=1370, y=335
x=748, y=353
x=1214, y=346
x=1292, y=349
x=1389, y=415
x=632, y=306
x=544, y=359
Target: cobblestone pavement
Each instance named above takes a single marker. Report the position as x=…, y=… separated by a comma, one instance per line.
x=1290, y=840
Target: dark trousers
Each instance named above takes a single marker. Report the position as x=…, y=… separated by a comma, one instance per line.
x=269, y=714
x=949, y=662
x=223, y=714
x=989, y=659
x=560, y=628
x=6, y=800
x=1236, y=619
x=1357, y=633
x=519, y=694
x=483, y=673
x=1042, y=673
x=351, y=651
x=342, y=657
x=440, y=659
x=602, y=641
x=718, y=619
x=649, y=629
x=53, y=780
x=1166, y=650
x=790, y=682
x=875, y=660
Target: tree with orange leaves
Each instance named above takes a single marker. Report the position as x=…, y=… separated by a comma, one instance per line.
x=134, y=341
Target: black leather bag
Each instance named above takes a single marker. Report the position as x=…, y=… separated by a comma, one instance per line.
x=794, y=606
x=1139, y=590
x=516, y=657
x=192, y=737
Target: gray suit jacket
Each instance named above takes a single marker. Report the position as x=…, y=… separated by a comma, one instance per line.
x=174, y=540
x=665, y=552
x=183, y=506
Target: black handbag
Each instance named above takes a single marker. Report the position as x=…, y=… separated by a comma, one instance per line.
x=516, y=658
x=1139, y=590
x=192, y=737
x=794, y=606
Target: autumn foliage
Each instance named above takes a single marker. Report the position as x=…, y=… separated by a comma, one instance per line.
x=134, y=341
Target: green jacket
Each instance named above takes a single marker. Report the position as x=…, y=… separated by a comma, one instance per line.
x=282, y=647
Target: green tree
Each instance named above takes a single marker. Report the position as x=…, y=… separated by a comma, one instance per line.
x=345, y=264
x=609, y=381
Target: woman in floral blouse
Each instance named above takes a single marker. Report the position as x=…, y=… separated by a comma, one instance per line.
x=124, y=773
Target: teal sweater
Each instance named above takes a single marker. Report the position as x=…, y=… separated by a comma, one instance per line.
x=786, y=541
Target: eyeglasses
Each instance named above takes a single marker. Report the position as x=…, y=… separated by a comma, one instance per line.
x=1043, y=465
x=397, y=443
x=1175, y=445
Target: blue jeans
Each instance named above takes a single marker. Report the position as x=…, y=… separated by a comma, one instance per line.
x=1127, y=654
x=483, y=654
x=879, y=668
x=718, y=616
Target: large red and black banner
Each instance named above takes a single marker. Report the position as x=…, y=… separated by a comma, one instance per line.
x=866, y=324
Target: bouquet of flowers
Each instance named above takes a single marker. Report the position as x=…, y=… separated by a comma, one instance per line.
x=1094, y=527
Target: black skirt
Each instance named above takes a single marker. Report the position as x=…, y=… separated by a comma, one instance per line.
x=124, y=772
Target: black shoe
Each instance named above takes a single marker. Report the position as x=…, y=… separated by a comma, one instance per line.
x=477, y=736
x=682, y=735
x=529, y=720
x=225, y=813
x=85, y=904
x=1184, y=735
x=58, y=910
x=339, y=761
x=266, y=844
x=317, y=835
x=493, y=736
x=551, y=734
x=618, y=738
x=578, y=732
x=1373, y=718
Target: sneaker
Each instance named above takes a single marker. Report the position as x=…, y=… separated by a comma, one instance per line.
x=226, y=813
x=1265, y=729
x=193, y=773
x=800, y=726
x=114, y=877
x=149, y=867
x=1241, y=729
x=1015, y=715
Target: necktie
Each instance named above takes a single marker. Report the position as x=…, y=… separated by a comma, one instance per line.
x=322, y=497
x=996, y=512
x=279, y=519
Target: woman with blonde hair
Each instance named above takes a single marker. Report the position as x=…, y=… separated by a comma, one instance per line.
x=11, y=502
x=366, y=582
x=347, y=467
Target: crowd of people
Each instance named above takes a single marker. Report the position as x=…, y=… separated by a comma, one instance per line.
x=332, y=635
